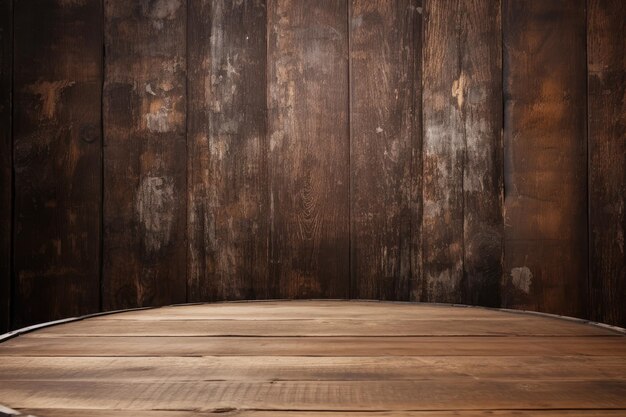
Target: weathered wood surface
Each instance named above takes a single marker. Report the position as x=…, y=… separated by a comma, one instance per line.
x=545, y=146
x=298, y=368
x=606, y=59
x=385, y=130
x=462, y=153
x=307, y=84
x=520, y=326
x=57, y=148
x=479, y=97
x=227, y=162
x=295, y=310
x=145, y=154
x=319, y=395
x=302, y=171
x=153, y=373
x=315, y=346
x=6, y=159
x=443, y=156
x=226, y=413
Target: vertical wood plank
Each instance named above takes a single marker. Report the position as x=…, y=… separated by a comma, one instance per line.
x=227, y=197
x=57, y=156
x=462, y=152
x=6, y=168
x=385, y=115
x=308, y=148
x=479, y=95
x=145, y=154
x=443, y=155
x=606, y=49
x=545, y=156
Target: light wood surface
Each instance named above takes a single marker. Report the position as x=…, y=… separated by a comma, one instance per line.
x=316, y=359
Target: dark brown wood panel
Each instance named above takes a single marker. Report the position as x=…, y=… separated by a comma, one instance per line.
x=308, y=148
x=462, y=153
x=385, y=161
x=545, y=156
x=145, y=154
x=606, y=57
x=227, y=161
x=479, y=96
x=6, y=168
x=443, y=154
x=57, y=156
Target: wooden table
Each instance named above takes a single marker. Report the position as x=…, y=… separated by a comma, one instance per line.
x=316, y=359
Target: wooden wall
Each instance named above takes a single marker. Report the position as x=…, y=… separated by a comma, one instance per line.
x=170, y=151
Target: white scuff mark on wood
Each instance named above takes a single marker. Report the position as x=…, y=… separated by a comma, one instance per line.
x=276, y=139
x=379, y=129
x=49, y=93
x=357, y=21
x=219, y=147
x=162, y=116
x=522, y=278
x=393, y=152
x=149, y=89
x=157, y=121
x=154, y=205
x=230, y=69
x=459, y=88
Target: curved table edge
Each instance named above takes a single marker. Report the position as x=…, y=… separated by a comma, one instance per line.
x=14, y=333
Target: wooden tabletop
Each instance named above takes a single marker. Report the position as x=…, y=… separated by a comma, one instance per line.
x=316, y=359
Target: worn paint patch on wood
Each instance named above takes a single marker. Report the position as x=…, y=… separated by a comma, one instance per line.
x=443, y=156
x=227, y=163
x=385, y=160
x=606, y=62
x=545, y=156
x=462, y=153
x=57, y=147
x=6, y=169
x=145, y=154
x=309, y=148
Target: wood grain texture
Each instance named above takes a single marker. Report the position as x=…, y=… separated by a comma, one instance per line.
x=521, y=371
x=57, y=157
x=308, y=148
x=385, y=116
x=318, y=395
x=519, y=326
x=6, y=160
x=443, y=156
x=55, y=412
x=227, y=161
x=145, y=154
x=462, y=153
x=606, y=58
x=479, y=95
x=545, y=156
x=299, y=368
x=315, y=346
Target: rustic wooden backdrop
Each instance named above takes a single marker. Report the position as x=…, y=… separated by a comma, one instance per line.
x=170, y=151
